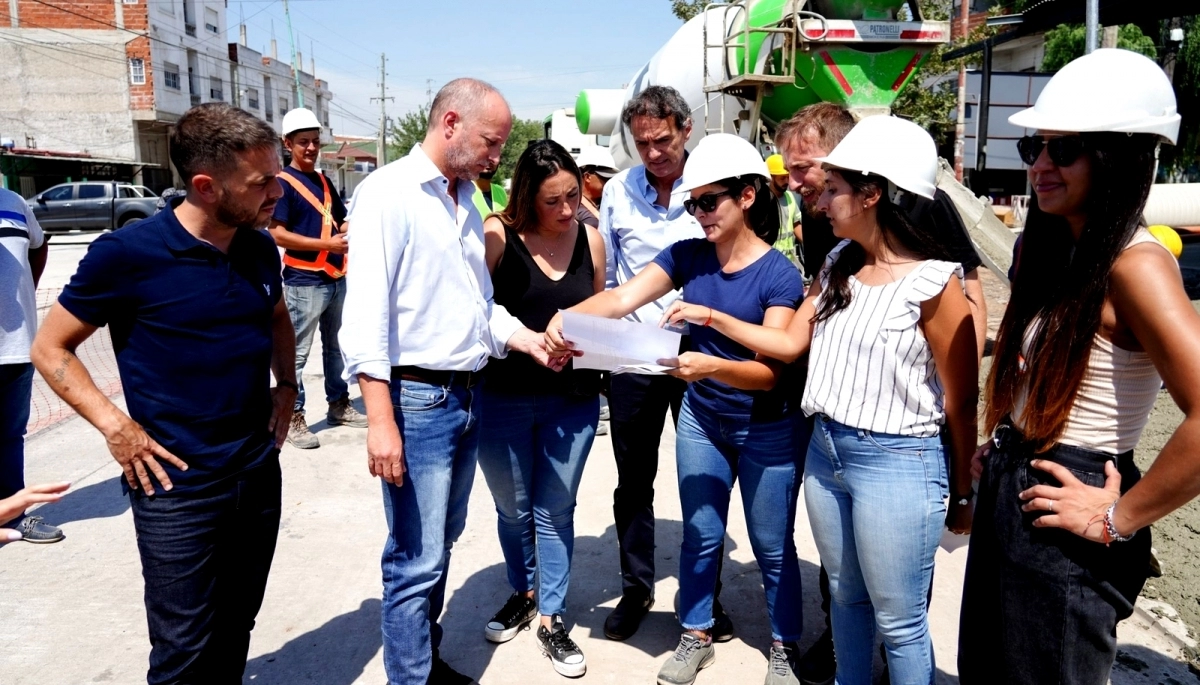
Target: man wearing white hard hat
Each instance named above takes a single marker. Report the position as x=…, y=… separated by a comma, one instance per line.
x=597, y=166
x=1097, y=322
x=892, y=367
x=740, y=419
x=309, y=224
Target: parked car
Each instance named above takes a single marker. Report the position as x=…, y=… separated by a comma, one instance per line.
x=92, y=206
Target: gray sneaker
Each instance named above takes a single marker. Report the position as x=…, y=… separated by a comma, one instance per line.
x=690, y=656
x=780, y=670
x=602, y=428
x=342, y=413
x=299, y=434
x=32, y=529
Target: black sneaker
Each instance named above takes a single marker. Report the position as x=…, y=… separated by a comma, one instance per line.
x=563, y=652
x=515, y=615
x=818, y=666
x=722, y=628
x=442, y=674
x=624, y=620
x=32, y=529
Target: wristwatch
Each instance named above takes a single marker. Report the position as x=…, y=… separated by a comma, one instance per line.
x=283, y=383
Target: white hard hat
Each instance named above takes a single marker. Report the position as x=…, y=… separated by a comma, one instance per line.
x=720, y=156
x=300, y=119
x=897, y=149
x=1107, y=90
x=599, y=157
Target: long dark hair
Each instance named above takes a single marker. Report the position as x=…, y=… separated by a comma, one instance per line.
x=1060, y=287
x=896, y=229
x=540, y=160
x=763, y=215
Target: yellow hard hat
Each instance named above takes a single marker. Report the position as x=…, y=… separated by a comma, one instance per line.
x=1168, y=237
x=775, y=165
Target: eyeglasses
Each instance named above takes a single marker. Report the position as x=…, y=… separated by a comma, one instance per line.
x=706, y=203
x=1064, y=150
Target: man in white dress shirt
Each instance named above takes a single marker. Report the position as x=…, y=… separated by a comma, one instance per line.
x=640, y=215
x=418, y=326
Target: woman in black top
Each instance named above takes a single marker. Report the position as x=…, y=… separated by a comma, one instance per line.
x=537, y=425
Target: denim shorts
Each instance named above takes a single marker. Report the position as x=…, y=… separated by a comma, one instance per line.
x=1041, y=605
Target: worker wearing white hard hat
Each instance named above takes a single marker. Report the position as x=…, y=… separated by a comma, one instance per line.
x=309, y=225
x=738, y=420
x=596, y=164
x=891, y=356
x=1097, y=320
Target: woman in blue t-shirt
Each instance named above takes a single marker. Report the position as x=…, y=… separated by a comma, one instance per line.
x=737, y=419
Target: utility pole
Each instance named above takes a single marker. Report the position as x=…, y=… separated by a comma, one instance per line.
x=960, y=126
x=381, y=142
x=428, y=94
x=295, y=67
x=1092, y=30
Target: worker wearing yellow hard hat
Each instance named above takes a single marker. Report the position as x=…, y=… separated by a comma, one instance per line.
x=789, y=210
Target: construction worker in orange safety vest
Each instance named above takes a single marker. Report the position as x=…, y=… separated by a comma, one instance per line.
x=309, y=225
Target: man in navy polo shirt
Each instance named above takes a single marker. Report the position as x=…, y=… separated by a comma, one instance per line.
x=192, y=297
x=308, y=222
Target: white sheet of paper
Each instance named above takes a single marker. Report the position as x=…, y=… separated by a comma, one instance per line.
x=619, y=346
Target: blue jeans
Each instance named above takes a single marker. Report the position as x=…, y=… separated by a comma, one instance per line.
x=313, y=306
x=425, y=516
x=16, y=388
x=711, y=452
x=532, y=449
x=205, y=559
x=876, y=503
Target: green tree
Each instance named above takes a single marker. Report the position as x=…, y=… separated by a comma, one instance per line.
x=1182, y=161
x=686, y=9
x=408, y=131
x=411, y=128
x=523, y=131
x=1067, y=42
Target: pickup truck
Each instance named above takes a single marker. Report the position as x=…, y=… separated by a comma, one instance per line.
x=92, y=206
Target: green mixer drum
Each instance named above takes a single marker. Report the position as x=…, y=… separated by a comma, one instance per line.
x=846, y=76
x=838, y=72
x=856, y=9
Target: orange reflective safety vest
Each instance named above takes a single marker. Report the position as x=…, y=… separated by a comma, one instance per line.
x=325, y=209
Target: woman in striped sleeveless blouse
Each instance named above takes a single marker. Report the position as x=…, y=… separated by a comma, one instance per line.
x=892, y=365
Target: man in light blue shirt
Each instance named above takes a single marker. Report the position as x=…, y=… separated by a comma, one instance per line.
x=641, y=214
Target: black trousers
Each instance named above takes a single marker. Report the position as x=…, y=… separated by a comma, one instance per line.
x=638, y=406
x=1041, y=605
x=205, y=560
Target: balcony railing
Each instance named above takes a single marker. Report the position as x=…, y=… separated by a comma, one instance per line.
x=190, y=29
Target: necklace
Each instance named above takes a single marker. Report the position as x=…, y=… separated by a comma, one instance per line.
x=545, y=245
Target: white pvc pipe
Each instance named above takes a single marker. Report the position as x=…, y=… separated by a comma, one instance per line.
x=1173, y=204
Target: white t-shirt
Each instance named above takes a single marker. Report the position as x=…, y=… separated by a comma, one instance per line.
x=19, y=233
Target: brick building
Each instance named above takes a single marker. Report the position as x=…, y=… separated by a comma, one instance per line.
x=107, y=79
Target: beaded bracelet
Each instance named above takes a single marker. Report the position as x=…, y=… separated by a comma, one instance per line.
x=1110, y=530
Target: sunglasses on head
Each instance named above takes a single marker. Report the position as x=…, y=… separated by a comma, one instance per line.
x=706, y=203
x=1064, y=150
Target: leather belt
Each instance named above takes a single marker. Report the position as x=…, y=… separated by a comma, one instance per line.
x=463, y=379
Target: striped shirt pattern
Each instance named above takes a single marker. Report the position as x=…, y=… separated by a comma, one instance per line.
x=870, y=366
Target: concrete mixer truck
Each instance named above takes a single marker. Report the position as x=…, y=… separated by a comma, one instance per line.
x=745, y=65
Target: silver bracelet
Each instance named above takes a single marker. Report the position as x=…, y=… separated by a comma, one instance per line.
x=1111, y=529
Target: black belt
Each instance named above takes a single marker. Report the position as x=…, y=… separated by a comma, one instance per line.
x=464, y=379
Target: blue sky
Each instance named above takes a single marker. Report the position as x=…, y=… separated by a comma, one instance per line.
x=539, y=53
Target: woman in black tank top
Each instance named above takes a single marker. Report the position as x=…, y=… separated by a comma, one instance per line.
x=537, y=425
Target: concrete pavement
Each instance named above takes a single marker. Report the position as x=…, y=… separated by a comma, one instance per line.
x=73, y=611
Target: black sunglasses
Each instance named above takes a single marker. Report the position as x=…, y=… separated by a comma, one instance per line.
x=1064, y=150
x=707, y=202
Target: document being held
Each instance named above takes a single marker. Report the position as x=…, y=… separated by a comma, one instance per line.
x=619, y=346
